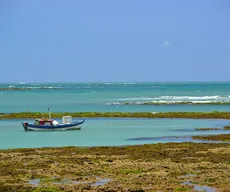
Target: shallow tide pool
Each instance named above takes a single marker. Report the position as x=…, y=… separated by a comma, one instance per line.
x=108, y=132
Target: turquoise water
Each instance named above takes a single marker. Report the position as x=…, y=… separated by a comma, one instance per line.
x=104, y=97
x=109, y=97
x=107, y=132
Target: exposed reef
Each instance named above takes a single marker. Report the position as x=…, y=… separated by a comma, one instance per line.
x=220, y=137
x=156, y=167
x=207, y=129
x=189, y=115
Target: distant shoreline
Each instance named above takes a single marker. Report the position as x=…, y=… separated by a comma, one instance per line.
x=25, y=88
x=187, y=115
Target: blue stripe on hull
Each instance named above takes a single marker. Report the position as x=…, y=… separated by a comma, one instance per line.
x=54, y=129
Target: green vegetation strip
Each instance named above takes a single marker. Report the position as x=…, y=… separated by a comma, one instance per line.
x=226, y=127
x=191, y=115
x=207, y=129
x=220, y=137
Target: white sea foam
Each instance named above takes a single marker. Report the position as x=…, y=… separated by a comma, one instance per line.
x=114, y=103
x=130, y=83
x=108, y=83
x=163, y=101
x=21, y=83
x=41, y=87
x=188, y=97
x=202, y=101
x=177, y=99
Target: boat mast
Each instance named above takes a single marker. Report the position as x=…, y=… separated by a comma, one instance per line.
x=49, y=113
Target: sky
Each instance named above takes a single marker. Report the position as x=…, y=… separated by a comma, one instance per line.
x=114, y=40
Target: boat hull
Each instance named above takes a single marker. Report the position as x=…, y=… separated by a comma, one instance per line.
x=60, y=127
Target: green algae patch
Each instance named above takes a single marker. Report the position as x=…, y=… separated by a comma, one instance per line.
x=150, y=167
x=220, y=137
x=190, y=115
x=130, y=171
x=206, y=129
x=47, y=189
x=183, y=189
x=226, y=127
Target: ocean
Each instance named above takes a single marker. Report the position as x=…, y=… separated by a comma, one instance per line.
x=112, y=97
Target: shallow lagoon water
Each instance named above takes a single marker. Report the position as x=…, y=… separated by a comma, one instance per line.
x=108, y=132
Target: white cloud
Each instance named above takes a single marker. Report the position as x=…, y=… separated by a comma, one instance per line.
x=165, y=44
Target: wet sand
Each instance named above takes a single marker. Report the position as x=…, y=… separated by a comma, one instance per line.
x=183, y=166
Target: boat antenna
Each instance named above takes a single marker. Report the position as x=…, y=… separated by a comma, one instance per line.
x=49, y=113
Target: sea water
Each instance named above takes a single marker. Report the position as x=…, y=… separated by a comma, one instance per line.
x=110, y=97
x=108, y=132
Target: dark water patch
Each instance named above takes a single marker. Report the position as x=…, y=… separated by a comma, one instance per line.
x=99, y=182
x=184, y=130
x=163, y=139
x=207, y=129
x=178, y=139
x=142, y=138
x=199, y=187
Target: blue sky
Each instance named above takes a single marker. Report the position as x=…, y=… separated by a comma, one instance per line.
x=114, y=40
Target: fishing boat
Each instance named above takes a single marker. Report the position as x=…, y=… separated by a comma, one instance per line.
x=53, y=125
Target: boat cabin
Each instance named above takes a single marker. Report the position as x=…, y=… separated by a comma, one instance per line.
x=67, y=119
x=43, y=121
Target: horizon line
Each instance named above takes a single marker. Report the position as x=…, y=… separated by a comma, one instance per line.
x=194, y=81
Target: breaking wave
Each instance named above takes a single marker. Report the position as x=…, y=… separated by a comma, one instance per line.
x=215, y=99
x=41, y=87
x=27, y=88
